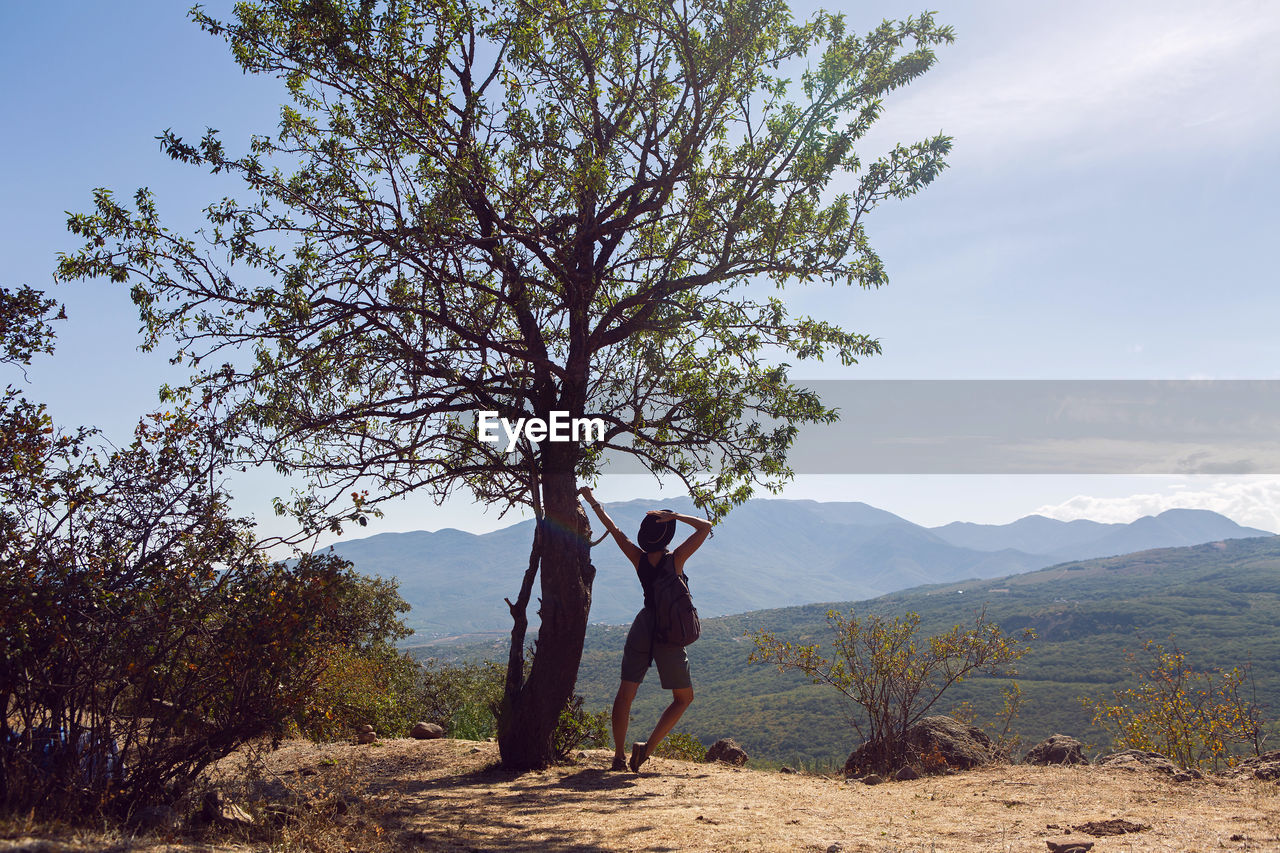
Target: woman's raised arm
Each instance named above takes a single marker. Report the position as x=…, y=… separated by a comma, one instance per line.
x=629, y=548
x=702, y=529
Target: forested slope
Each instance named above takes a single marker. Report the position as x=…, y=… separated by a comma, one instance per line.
x=1219, y=602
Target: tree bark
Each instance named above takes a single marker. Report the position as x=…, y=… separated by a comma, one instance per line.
x=529, y=714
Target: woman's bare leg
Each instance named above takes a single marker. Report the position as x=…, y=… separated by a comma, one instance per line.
x=622, y=717
x=681, y=698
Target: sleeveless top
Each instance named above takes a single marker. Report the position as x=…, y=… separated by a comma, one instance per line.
x=648, y=573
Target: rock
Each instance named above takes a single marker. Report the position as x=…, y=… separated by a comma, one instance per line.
x=934, y=745
x=786, y=768
x=154, y=817
x=873, y=779
x=1265, y=767
x=960, y=745
x=1056, y=749
x=906, y=774
x=39, y=845
x=728, y=751
x=1115, y=826
x=367, y=737
x=233, y=815
x=365, y=728
x=426, y=731
x=210, y=805
x=1267, y=772
x=1069, y=846
x=218, y=811
x=835, y=848
x=1137, y=759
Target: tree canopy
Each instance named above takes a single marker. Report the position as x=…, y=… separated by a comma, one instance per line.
x=526, y=207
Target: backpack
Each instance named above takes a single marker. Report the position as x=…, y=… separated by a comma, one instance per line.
x=675, y=619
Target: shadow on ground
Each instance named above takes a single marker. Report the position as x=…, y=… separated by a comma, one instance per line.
x=492, y=808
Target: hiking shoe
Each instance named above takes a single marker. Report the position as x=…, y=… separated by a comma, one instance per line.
x=638, y=756
x=619, y=763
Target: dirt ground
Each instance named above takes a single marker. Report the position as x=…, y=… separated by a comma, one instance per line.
x=446, y=795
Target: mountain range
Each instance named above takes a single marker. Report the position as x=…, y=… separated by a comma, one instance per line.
x=765, y=554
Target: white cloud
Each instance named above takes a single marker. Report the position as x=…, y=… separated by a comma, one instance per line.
x=1070, y=81
x=1251, y=501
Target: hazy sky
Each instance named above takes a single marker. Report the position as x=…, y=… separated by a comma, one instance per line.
x=1108, y=213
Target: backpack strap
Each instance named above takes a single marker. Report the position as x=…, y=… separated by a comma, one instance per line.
x=670, y=556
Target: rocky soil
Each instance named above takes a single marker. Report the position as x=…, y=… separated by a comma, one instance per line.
x=446, y=795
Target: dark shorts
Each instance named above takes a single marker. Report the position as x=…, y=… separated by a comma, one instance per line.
x=673, y=663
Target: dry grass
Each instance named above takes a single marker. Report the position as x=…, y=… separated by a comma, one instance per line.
x=447, y=795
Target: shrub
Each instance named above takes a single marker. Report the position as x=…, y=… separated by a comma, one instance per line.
x=364, y=679
x=682, y=746
x=893, y=676
x=999, y=728
x=462, y=698
x=145, y=635
x=579, y=729
x=1193, y=717
x=377, y=686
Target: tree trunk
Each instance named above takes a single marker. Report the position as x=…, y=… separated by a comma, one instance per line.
x=561, y=549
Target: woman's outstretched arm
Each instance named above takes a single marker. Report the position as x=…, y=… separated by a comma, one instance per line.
x=632, y=552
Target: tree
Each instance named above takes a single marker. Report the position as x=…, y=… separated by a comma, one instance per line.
x=24, y=325
x=28, y=447
x=526, y=207
x=894, y=676
x=1192, y=716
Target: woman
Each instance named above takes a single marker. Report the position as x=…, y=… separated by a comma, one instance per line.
x=649, y=556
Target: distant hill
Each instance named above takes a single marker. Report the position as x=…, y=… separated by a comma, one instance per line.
x=1220, y=602
x=767, y=553
x=1082, y=539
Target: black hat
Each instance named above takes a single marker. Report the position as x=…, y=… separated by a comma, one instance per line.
x=655, y=535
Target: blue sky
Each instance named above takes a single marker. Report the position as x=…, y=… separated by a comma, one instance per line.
x=1108, y=214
